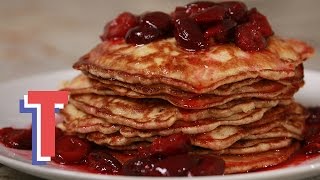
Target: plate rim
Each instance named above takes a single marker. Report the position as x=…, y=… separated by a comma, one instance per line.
x=271, y=174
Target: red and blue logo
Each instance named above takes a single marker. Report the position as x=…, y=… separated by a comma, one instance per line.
x=43, y=105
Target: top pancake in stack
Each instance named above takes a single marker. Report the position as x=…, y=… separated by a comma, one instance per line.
x=231, y=102
x=162, y=67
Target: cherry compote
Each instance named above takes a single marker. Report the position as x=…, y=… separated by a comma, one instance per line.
x=189, y=35
x=196, y=26
x=119, y=27
x=103, y=162
x=71, y=149
x=168, y=156
x=158, y=20
x=16, y=138
x=198, y=6
x=236, y=10
x=249, y=38
x=176, y=165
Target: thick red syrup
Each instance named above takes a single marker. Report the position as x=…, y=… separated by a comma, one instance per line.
x=166, y=156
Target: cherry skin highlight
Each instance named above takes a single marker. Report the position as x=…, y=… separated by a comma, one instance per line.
x=142, y=35
x=103, y=162
x=158, y=20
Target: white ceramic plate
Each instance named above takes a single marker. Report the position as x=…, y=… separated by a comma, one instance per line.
x=12, y=91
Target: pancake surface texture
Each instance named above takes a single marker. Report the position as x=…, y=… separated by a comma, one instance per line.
x=162, y=62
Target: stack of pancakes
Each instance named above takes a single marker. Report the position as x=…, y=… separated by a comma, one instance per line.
x=231, y=102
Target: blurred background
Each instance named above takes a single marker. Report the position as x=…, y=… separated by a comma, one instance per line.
x=40, y=36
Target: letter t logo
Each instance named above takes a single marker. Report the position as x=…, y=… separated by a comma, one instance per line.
x=42, y=105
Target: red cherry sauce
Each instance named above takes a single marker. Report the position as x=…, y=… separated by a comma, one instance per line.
x=195, y=26
x=166, y=156
x=16, y=138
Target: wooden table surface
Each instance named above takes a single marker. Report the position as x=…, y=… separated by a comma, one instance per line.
x=39, y=36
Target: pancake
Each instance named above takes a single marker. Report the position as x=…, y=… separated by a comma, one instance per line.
x=224, y=136
x=163, y=63
x=265, y=145
x=114, y=140
x=198, y=126
x=249, y=123
x=84, y=84
x=76, y=121
x=195, y=127
x=224, y=110
x=238, y=148
x=220, y=138
x=133, y=146
x=150, y=113
x=261, y=89
x=285, y=113
x=275, y=133
x=161, y=90
x=229, y=109
x=254, y=161
x=252, y=146
x=137, y=113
